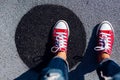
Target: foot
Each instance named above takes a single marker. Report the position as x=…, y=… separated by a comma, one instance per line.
x=60, y=37
x=105, y=38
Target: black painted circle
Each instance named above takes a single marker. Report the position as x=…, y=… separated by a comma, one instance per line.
x=33, y=35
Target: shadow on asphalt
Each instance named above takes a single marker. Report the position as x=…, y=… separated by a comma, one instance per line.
x=34, y=29
x=33, y=38
x=87, y=65
x=89, y=62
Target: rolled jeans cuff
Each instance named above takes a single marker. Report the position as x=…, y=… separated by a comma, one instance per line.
x=107, y=69
x=66, y=62
x=57, y=69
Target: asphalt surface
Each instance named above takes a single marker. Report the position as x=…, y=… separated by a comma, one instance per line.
x=90, y=12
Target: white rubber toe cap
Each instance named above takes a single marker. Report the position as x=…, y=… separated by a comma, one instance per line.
x=61, y=24
x=105, y=25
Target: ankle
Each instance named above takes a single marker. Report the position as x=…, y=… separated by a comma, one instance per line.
x=62, y=55
x=103, y=56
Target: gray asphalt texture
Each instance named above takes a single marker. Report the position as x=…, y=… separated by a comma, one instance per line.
x=90, y=12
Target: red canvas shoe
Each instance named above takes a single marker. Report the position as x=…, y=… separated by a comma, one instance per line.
x=105, y=36
x=60, y=37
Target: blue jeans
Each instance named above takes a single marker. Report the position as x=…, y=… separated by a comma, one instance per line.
x=57, y=69
x=108, y=69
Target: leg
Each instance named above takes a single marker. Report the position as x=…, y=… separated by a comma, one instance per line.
x=57, y=69
x=105, y=38
x=107, y=69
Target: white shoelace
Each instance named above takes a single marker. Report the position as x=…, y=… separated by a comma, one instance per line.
x=60, y=42
x=104, y=42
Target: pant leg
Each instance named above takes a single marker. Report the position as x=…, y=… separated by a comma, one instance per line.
x=107, y=69
x=116, y=77
x=57, y=69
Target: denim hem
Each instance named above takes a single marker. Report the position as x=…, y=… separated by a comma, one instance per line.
x=105, y=60
x=66, y=62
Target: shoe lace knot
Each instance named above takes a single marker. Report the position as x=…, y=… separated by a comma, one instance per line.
x=104, y=42
x=61, y=42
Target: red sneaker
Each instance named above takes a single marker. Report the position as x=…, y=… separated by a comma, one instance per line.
x=105, y=36
x=60, y=36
